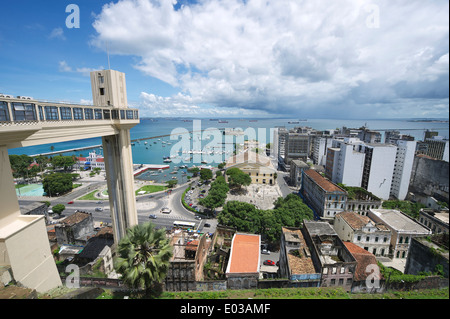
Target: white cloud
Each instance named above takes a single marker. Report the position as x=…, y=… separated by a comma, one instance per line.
x=64, y=67
x=280, y=56
x=57, y=33
x=181, y=105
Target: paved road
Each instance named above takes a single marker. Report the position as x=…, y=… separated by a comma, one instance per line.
x=146, y=205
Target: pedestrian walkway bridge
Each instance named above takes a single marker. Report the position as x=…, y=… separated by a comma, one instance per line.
x=27, y=122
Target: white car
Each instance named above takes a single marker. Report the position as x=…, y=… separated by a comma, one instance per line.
x=166, y=210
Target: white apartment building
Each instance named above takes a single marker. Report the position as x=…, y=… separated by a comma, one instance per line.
x=355, y=163
x=404, y=160
x=345, y=164
x=320, y=147
x=378, y=168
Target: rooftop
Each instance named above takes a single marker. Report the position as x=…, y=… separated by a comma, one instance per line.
x=399, y=221
x=357, y=221
x=317, y=228
x=324, y=183
x=248, y=156
x=245, y=252
x=75, y=218
x=363, y=258
x=297, y=264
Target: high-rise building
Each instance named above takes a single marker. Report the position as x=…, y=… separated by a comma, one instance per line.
x=367, y=165
x=436, y=147
x=404, y=160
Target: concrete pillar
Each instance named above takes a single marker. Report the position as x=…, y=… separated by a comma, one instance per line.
x=24, y=245
x=119, y=173
x=8, y=198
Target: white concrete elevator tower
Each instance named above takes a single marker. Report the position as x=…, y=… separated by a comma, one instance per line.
x=25, y=254
x=109, y=90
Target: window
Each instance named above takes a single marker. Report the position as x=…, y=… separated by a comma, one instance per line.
x=382, y=252
x=359, y=238
x=129, y=115
x=367, y=238
x=88, y=114
x=115, y=114
x=51, y=113
x=376, y=239
x=385, y=239
x=407, y=238
x=136, y=115
x=342, y=270
x=23, y=112
x=98, y=114
x=102, y=91
x=4, y=113
x=106, y=114
x=122, y=114
x=401, y=240
x=77, y=113
x=41, y=113
x=341, y=281
x=101, y=79
x=374, y=251
x=66, y=113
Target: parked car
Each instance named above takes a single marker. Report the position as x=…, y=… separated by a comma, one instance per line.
x=265, y=252
x=207, y=225
x=152, y=216
x=71, y=202
x=198, y=217
x=99, y=209
x=269, y=262
x=166, y=210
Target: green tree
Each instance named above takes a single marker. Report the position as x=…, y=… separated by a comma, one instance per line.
x=57, y=183
x=143, y=256
x=237, y=178
x=217, y=194
x=20, y=165
x=58, y=209
x=171, y=183
x=194, y=171
x=64, y=162
x=206, y=174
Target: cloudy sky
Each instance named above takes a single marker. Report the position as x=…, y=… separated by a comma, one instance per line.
x=237, y=58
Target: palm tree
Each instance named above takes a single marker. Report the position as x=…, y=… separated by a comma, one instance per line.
x=143, y=256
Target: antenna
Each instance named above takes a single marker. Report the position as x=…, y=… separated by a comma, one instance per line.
x=107, y=53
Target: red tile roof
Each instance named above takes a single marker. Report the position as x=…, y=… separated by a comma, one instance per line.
x=363, y=258
x=323, y=182
x=245, y=252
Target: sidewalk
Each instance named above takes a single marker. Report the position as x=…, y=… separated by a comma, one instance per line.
x=260, y=195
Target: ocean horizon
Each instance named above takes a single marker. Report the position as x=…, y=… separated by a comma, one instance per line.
x=150, y=150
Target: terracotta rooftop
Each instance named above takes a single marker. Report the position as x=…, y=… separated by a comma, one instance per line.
x=299, y=265
x=75, y=218
x=248, y=157
x=324, y=183
x=363, y=258
x=245, y=252
x=357, y=221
